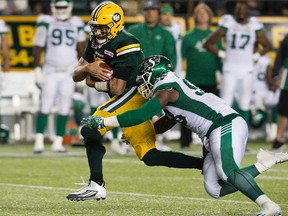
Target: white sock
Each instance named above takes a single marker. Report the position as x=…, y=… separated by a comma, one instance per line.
x=39, y=140
x=262, y=199
x=58, y=141
x=260, y=167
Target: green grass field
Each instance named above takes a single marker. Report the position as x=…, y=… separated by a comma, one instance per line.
x=38, y=185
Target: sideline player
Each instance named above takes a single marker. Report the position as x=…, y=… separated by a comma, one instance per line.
x=223, y=130
x=121, y=51
x=62, y=35
x=240, y=33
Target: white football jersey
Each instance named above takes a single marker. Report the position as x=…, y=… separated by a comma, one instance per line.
x=60, y=39
x=239, y=41
x=195, y=109
x=262, y=96
x=3, y=28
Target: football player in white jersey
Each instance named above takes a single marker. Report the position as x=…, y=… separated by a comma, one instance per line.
x=223, y=131
x=239, y=32
x=63, y=38
x=264, y=100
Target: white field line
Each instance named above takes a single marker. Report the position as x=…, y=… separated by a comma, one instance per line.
x=125, y=193
x=132, y=194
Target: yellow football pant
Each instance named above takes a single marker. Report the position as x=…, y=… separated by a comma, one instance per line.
x=142, y=137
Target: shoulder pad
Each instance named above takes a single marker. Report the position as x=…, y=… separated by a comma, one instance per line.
x=226, y=20
x=44, y=19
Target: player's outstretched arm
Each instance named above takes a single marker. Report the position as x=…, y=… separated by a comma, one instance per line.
x=126, y=119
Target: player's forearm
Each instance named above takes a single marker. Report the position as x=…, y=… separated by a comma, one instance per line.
x=136, y=116
x=210, y=43
x=80, y=71
x=5, y=53
x=37, y=55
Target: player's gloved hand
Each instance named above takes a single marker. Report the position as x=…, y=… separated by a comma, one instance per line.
x=94, y=122
x=39, y=78
x=221, y=54
x=124, y=140
x=256, y=56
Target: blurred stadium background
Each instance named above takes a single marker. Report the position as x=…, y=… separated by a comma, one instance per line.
x=20, y=99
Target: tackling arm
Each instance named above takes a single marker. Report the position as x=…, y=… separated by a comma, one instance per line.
x=136, y=116
x=163, y=124
x=146, y=111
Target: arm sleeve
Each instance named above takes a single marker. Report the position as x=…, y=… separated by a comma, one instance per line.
x=281, y=54
x=137, y=116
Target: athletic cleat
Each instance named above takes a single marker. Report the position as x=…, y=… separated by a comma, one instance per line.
x=39, y=144
x=92, y=191
x=59, y=149
x=266, y=159
x=269, y=209
x=277, y=145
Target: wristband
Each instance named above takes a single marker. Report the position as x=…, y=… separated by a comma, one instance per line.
x=102, y=86
x=111, y=122
x=222, y=54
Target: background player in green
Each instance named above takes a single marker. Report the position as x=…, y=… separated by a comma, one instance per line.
x=201, y=65
x=153, y=37
x=122, y=51
x=223, y=130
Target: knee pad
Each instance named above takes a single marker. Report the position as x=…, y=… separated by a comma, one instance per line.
x=91, y=136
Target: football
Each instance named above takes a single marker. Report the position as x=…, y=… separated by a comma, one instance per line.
x=105, y=66
x=90, y=80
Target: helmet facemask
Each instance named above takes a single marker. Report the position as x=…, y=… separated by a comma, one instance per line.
x=152, y=69
x=99, y=34
x=61, y=9
x=145, y=89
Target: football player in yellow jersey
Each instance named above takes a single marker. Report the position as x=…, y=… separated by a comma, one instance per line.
x=122, y=52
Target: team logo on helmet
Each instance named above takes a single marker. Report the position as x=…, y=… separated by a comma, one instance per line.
x=116, y=17
x=150, y=63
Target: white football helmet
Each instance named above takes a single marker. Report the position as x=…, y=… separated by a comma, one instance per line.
x=62, y=9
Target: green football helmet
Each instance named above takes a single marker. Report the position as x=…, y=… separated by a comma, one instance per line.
x=258, y=118
x=62, y=9
x=4, y=134
x=152, y=69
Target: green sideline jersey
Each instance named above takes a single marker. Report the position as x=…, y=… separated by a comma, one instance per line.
x=121, y=53
x=155, y=41
x=201, y=64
